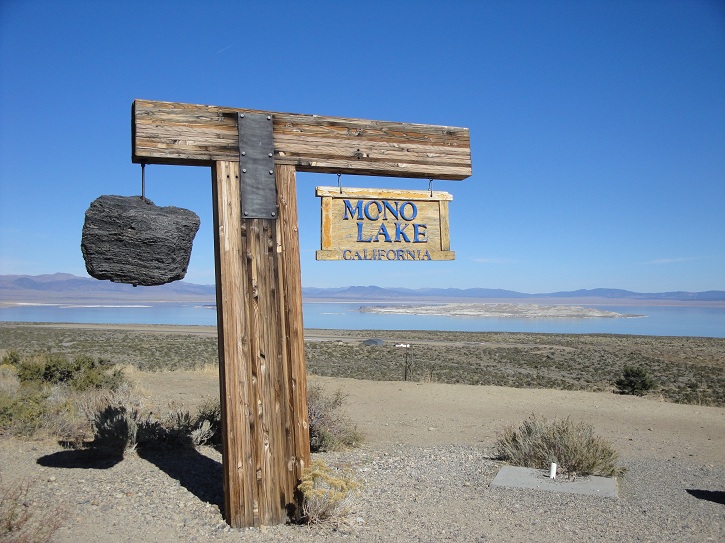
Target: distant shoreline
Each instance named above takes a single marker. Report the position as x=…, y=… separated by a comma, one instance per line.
x=499, y=310
x=131, y=302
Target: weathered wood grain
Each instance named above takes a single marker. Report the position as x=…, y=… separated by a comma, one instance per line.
x=173, y=133
x=261, y=350
x=238, y=399
x=290, y=289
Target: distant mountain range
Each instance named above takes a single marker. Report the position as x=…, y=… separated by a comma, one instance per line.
x=67, y=288
x=379, y=293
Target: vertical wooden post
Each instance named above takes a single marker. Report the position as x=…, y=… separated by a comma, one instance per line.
x=290, y=277
x=261, y=353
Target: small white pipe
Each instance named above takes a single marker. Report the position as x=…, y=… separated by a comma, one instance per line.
x=552, y=472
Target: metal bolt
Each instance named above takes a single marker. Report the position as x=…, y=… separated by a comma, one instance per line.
x=269, y=117
x=246, y=213
x=273, y=214
x=269, y=155
x=244, y=153
x=242, y=115
x=271, y=172
x=244, y=170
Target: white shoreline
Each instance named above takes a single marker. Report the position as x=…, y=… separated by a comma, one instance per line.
x=499, y=310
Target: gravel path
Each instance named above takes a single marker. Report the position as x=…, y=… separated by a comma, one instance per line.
x=410, y=493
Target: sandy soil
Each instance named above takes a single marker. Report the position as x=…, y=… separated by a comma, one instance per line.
x=425, y=468
x=431, y=413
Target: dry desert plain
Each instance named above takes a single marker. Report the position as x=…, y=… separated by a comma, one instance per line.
x=427, y=460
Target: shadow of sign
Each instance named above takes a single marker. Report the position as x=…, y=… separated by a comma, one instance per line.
x=199, y=474
x=717, y=496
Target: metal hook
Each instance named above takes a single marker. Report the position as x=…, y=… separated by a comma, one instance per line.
x=339, y=182
x=430, y=187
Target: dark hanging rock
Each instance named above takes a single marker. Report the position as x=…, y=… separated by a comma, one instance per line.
x=128, y=239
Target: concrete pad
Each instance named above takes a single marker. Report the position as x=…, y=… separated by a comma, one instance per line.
x=517, y=477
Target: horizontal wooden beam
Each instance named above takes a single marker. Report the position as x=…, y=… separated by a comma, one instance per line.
x=187, y=134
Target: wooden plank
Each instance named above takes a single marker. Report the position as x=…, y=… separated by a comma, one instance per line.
x=290, y=281
x=384, y=225
x=236, y=389
x=445, y=232
x=387, y=194
x=173, y=133
x=261, y=350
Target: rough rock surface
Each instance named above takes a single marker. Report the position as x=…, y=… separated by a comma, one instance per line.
x=128, y=239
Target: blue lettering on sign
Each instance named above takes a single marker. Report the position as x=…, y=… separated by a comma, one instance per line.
x=383, y=231
x=378, y=209
x=413, y=211
x=399, y=227
x=419, y=233
x=386, y=254
x=357, y=210
x=360, y=234
x=399, y=214
x=387, y=206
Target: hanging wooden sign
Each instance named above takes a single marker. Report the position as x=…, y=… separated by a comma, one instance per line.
x=384, y=225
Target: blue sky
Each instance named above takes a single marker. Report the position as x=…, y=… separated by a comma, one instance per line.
x=597, y=128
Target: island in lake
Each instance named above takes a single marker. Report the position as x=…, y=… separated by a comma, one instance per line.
x=499, y=310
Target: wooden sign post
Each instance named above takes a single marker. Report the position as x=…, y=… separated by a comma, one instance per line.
x=262, y=376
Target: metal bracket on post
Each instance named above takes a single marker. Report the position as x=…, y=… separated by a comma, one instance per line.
x=256, y=166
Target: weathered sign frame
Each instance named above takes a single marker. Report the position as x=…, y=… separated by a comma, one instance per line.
x=384, y=225
x=262, y=376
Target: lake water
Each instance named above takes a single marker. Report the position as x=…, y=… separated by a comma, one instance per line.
x=658, y=320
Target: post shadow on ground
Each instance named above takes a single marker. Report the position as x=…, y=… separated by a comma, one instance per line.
x=90, y=458
x=199, y=474
x=717, y=496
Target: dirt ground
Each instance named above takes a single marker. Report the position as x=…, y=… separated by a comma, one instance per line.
x=435, y=414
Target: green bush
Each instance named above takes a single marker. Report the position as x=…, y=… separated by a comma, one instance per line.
x=81, y=373
x=115, y=428
x=11, y=358
x=23, y=413
x=635, y=381
x=572, y=446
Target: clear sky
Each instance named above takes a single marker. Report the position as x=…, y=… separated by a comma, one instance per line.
x=597, y=128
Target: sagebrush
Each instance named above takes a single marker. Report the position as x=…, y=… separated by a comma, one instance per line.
x=330, y=428
x=573, y=446
x=328, y=494
x=635, y=381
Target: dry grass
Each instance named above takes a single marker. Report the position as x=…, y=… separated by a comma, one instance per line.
x=685, y=369
x=330, y=428
x=573, y=446
x=328, y=495
x=23, y=519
